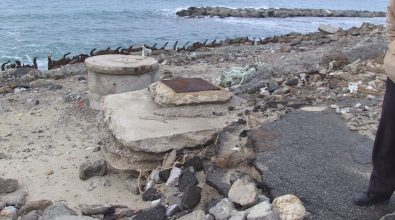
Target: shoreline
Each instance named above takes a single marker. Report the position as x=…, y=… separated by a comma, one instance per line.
x=223, y=12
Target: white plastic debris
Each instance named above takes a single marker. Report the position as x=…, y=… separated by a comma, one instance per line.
x=353, y=87
x=264, y=91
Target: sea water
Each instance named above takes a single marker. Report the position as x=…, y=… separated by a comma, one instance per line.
x=36, y=28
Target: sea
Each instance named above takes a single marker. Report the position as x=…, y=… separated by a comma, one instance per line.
x=37, y=28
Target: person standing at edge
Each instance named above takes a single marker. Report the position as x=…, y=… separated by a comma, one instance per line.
x=382, y=180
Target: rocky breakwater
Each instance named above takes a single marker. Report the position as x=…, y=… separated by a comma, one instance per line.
x=272, y=12
x=140, y=127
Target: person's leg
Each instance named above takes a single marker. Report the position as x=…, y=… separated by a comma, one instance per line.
x=382, y=180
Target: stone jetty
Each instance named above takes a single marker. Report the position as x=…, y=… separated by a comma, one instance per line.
x=273, y=13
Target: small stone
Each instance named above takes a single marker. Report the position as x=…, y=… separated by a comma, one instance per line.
x=328, y=29
x=292, y=82
x=158, y=213
x=223, y=209
x=174, y=177
x=54, y=87
x=191, y=197
x=8, y=185
x=98, y=210
x=164, y=175
x=262, y=198
x=9, y=212
x=187, y=179
x=272, y=86
x=289, y=207
x=33, y=215
x=57, y=210
x=17, y=199
x=195, y=162
x=32, y=206
x=262, y=211
x=155, y=176
x=91, y=169
x=243, y=192
x=196, y=215
x=169, y=159
x=151, y=194
x=217, y=179
x=133, y=186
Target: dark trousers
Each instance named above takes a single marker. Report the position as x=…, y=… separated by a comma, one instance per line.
x=382, y=179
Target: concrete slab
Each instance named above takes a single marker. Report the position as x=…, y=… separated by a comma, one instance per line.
x=145, y=131
x=316, y=157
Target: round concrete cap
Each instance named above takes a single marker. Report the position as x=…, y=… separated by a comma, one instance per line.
x=121, y=64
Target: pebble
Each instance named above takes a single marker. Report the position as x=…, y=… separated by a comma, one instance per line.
x=262, y=211
x=155, y=176
x=289, y=207
x=195, y=162
x=174, y=176
x=151, y=194
x=223, y=210
x=191, y=197
x=164, y=175
x=36, y=205
x=8, y=185
x=91, y=169
x=243, y=192
x=158, y=213
x=8, y=212
x=187, y=179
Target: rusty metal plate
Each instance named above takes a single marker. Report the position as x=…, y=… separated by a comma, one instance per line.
x=189, y=85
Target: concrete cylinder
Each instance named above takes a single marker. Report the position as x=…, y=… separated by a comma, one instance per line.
x=112, y=74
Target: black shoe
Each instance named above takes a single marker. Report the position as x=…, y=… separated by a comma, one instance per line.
x=368, y=198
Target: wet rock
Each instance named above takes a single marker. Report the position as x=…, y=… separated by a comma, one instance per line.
x=243, y=192
x=57, y=210
x=17, y=199
x=187, y=179
x=216, y=178
x=191, y=197
x=151, y=194
x=262, y=211
x=223, y=210
x=195, y=162
x=196, y=215
x=289, y=207
x=9, y=212
x=158, y=213
x=98, y=210
x=91, y=169
x=33, y=215
x=174, y=177
x=164, y=175
x=8, y=185
x=32, y=206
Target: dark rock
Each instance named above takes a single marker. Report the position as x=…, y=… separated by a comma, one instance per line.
x=97, y=210
x=151, y=194
x=81, y=78
x=172, y=210
x=217, y=179
x=91, y=169
x=54, y=87
x=187, y=179
x=292, y=82
x=272, y=86
x=388, y=217
x=57, y=210
x=8, y=185
x=3, y=156
x=158, y=213
x=164, y=175
x=32, y=206
x=196, y=162
x=191, y=197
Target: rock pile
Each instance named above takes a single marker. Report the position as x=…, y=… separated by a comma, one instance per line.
x=272, y=12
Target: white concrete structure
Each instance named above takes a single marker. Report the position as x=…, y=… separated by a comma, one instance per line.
x=113, y=74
